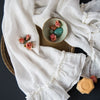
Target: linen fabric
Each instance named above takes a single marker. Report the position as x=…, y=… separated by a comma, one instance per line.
x=45, y=73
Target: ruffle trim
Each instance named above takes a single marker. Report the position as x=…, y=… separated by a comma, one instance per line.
x=67, y=74
x=88, y=18
x=48, y=92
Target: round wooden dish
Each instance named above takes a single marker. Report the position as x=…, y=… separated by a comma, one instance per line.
x=6, y=59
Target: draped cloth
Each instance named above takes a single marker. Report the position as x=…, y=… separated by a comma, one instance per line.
x=45, y=73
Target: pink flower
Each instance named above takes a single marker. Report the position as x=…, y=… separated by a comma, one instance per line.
x=21, y=40
x=53, y=37
x=94, y=78
x=57, y=23
x=28, y=37
x=29, y=45
x=53, y=27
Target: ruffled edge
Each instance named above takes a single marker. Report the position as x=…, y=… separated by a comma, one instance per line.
x=62, y=65
x=48, y=92
x=83, y=58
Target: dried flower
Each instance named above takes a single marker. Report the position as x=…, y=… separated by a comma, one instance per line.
x=58, y=23
x=53, y=27
x=27, y=37
x=29, y=45
x=94, y=78
x=53, y=37
x=21, y=40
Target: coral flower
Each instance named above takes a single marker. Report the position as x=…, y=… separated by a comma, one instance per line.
x=57, y=23
x=53, y=37
x=29, y=45
x=21, y=40
x=53, y=27
x=94, y=78
x=27, y=37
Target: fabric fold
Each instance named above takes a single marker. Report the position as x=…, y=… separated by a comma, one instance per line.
x=48, y=92
x=68, y=72
x=18, y=14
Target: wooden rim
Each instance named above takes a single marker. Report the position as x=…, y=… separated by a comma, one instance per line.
x=5, y=56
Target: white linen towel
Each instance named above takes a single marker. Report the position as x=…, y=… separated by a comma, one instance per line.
x=43, y=73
